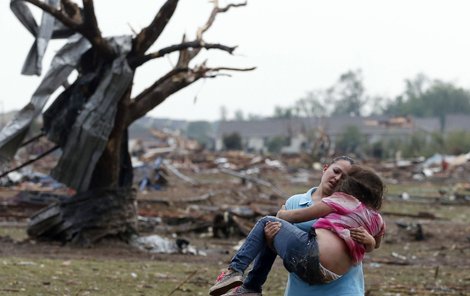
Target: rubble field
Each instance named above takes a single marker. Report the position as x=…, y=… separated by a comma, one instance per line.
x=202, y=210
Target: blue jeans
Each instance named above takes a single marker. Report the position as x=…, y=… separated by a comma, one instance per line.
x=297, y=248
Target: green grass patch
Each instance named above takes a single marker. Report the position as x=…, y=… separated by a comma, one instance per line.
x=15, y=233
x=421, y=189
x=26, y=276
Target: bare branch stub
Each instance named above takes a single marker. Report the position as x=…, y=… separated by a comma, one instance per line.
x=91, y=31
x=210, y=21
x=89, y=14
x=150, y=34
x=179, y=47
x=216, y=10
x=57, y=13
x=87, y=26
x=72, y=10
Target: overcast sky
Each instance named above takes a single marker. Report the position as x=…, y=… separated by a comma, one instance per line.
x=297, y=46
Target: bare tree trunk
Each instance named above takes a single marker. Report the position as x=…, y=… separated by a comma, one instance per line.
x=113, y=167
x=87, y=217
x=107, y=209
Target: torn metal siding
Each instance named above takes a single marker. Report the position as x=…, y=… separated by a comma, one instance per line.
x=90, y=132
x=49, y=28
x=58, y=119
x=63, y=63
x=33, y=63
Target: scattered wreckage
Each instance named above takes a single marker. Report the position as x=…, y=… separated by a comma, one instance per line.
x=221, y=194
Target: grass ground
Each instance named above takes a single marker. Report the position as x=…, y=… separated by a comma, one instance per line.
x=437, y=265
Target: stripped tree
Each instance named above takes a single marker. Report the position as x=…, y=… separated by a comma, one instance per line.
x=89, y=120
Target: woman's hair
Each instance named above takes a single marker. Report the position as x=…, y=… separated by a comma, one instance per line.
x=343, y=157
x=364, y=184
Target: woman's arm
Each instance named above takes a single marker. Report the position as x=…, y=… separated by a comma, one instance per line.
x=318, y=210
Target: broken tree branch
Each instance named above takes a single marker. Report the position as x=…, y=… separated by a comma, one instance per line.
x=167, y=85
x=178, y=174
x=91, y=31
x=88, y=28
x=72, y=10
x=89, y=17
x=148, y=35
x=216, y=10
x=183, y=282
x=255, y=180
x=157, y=93
x=136, y=62
x=41, y=134
x=57, y=13
x=230, y=69
x=187, y=55
x=181, y=200
x=29, y=161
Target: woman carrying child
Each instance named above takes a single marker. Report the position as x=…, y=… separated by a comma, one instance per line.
x=357, y=198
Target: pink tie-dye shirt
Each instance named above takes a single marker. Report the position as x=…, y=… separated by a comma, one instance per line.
x=349, y=212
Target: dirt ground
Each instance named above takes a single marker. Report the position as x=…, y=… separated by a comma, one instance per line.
x=433, y=261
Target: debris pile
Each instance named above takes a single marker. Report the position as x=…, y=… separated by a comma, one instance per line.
x=184, y=190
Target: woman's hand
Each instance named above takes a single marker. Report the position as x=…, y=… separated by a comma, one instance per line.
x=361, y=236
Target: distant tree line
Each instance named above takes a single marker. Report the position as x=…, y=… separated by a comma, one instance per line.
x=420, y=143
x=421, y=97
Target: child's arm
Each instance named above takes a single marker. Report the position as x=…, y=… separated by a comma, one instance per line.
x=361, y=235
x=378, y=240
x=270, y=231
x=318, y=210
